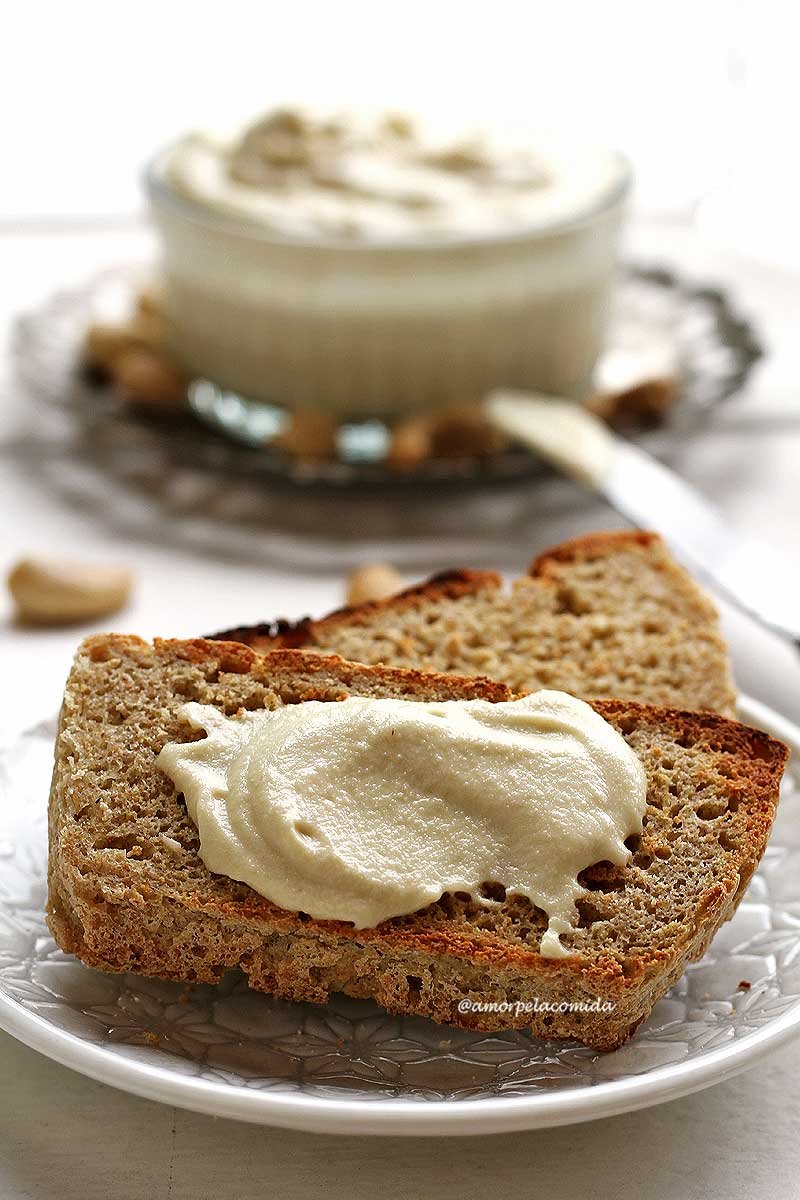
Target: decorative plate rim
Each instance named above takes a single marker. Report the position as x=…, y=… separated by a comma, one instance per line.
x=419, y=1116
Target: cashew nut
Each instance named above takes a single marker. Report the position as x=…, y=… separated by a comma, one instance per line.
x=373, y=582
x=51, y=592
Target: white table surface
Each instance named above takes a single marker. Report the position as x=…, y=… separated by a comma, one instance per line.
x=61, y=1134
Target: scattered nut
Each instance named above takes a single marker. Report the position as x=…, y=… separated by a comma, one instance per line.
x=309, y=435
x=135, y=358
x=637, y=384
x=464, y=433
x=410, y=444
x=374, y=582
x=648, y=403
x=149, y=330
x=150, y=380
x=104, y=344
x=51, y=592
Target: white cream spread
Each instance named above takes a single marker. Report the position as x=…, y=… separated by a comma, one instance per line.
x=366, y=809
x=385, y=178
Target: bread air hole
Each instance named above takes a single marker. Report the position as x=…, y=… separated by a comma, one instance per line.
x=305, y=829
x=710, y=811
x=602, y=877
x=134, y=845
x=494, y=892
x=414, y=985
x=589, y=912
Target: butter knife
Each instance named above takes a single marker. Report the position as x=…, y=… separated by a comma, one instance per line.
x=755, y=577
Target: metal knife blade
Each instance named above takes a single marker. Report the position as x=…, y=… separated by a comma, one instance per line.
x=750, y=573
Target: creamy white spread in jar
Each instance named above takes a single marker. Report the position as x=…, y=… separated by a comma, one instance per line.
x=366, y=809
x=385, y=179
x=374, y=266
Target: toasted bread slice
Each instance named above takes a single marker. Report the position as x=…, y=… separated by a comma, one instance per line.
x=609, y=614
x=129, y=892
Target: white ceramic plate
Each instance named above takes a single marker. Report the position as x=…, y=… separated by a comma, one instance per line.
x=350, y=1067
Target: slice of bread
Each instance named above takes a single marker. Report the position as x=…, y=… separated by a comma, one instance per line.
x=129, y=892
x=609, y=614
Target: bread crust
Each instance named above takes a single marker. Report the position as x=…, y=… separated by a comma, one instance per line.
x=450, y=585
x=446, y=585
x=568, y=623
x=588, y=546
x=119, y=911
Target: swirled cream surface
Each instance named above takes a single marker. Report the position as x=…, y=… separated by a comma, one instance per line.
x=386, y=178
x=366, y=809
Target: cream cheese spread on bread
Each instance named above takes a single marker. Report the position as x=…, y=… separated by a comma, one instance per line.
x=366, y=809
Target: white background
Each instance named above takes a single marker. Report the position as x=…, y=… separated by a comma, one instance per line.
x=702, y=95
x=704, y=99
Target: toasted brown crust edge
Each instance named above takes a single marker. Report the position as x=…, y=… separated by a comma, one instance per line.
x=588, y=546
x=447, y=585
x=633, y=990
x=241, y=659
